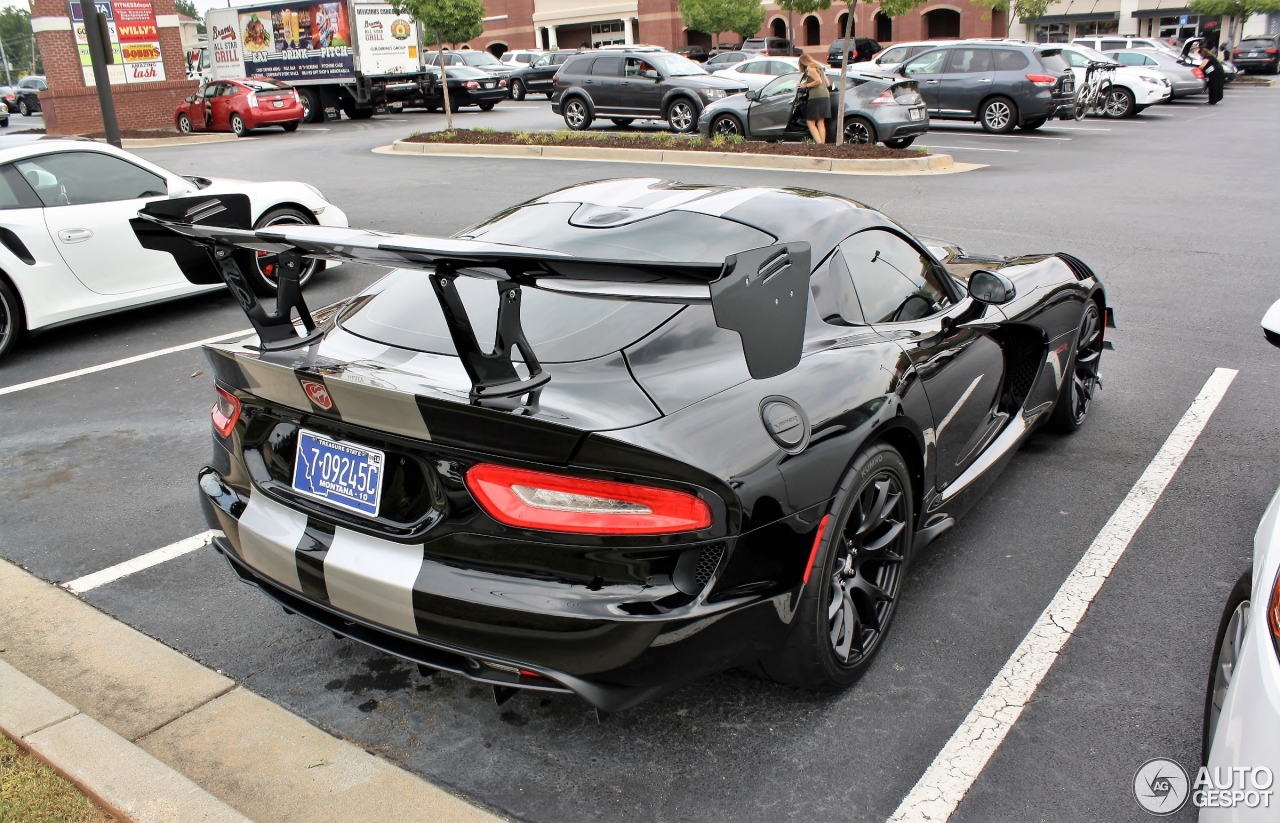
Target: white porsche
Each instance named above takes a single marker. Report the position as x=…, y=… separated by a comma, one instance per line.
x=66, y=248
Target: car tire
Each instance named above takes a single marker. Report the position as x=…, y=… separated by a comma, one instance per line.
x=998, y=115
x=900, y=143
x=312, y=112
x=184, y=124
x=1032, y=125
x=621, y=122
x=682, y=116
x=291, y=126
x=12, y=322
x=856, y=579
x=432, y=109
x=1119, y=103
x=358, y=113
x=22, y=108
x=487, y=106
x=238, y=127
x=518, y=90
x=1230, y=638
x=259, y=274
x=577, y=115
x=726, y=125
x=1080, y=379
x=859, y=130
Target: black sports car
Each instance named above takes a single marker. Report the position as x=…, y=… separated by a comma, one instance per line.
x=628, y=433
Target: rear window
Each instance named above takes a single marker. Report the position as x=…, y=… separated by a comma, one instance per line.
x=1052, y=62
x=1010, y=60
x=264, y=85
x=1257, y=43
x=608, y=66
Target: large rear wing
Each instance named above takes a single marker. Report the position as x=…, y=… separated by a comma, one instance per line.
x=762, y=294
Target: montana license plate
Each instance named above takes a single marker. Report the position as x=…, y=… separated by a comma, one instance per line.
x=341, y=474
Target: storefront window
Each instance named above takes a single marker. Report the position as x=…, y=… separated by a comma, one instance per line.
x=1179, y=28
x=1052, y=33
x=1097, y=27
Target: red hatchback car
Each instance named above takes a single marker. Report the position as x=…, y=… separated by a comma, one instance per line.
x=240, y=106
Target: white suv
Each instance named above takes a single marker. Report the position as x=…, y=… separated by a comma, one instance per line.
x=1133, y=88
x=1115, y=42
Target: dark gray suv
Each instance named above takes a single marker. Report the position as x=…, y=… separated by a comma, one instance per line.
x=1001, y=85
x=625, y=86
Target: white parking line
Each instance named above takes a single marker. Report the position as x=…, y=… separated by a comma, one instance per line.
x=964, y=148
x=137, y=358
x=983, y=134
x=112, y=573
x=945, y=783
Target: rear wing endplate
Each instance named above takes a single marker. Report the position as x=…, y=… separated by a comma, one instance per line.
x=762, y=294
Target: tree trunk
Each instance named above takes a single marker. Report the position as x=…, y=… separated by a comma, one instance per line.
x=444, y=81
x=844, y=78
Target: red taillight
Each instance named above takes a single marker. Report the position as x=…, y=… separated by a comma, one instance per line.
x=253, y=99
x=1197, y=72
x=225, y=412
x=297, y=98
x=579, y=505
x=471, y=84
x=502, y=84
x=1272, y=51
x=1273, y=612
x=1044, y=81
x=885, y=98
x=1238, y=52
x=813, y=553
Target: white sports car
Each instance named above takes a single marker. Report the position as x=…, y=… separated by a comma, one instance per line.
x=66, y=248
x=756, y=74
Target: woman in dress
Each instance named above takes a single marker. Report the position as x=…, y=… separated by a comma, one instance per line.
x=818, y=109
x=1215, y=78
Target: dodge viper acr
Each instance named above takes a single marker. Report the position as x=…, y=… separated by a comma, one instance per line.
x=628, y=433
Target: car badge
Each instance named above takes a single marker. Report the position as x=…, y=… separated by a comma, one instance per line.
x=317, y=394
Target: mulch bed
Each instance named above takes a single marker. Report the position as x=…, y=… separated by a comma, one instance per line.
x=673, y=142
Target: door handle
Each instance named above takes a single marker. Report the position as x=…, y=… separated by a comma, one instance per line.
x=932, y=82
x=74, y=235
x=985, y=80
x=586, y=82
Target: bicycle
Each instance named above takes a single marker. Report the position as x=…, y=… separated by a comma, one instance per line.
x=1094, y=94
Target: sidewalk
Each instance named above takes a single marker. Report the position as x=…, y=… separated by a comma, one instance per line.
x=155, y=737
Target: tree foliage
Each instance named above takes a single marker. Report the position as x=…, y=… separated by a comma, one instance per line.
x=446, y=21
x=742, y=17
x=19, y=44
x=188, y=7
x=899, y=8
x=1242, y=10
x=1018, y=9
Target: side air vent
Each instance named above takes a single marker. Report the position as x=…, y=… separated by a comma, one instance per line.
x=1022, y=363
x=14, y=244
x=1078, y=267
x=696, y=567
x=708, y=562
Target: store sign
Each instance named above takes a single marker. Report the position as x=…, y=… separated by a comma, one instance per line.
x=388, y=41
x=135, y=41
x=226, y=56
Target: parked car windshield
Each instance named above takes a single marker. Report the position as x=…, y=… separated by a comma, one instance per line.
x=1089, y=54
x=673, y=65
x=264, y=84
x=478, y=58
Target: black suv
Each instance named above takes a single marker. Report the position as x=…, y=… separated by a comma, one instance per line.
x=28, y=90
x=1001, y=85
x=625, y=86
x=536, y=78
x=864, y=48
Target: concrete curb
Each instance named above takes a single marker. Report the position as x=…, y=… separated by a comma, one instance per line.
x=157, y=738
x=180, y=140
x=929, y=164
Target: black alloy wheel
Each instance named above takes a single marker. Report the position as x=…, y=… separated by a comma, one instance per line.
x=682, y=116
x=184, y=124
x=311, y=109
x=576, y=114
x=11, y=324
x=998, y=115
x=22, y=108
x=1228, y=647
x=726, y=125
x=238, y=125
x=847, y=607
x=264, y=271
x=517, y=90
x=1081, y=378
x=1119, y=103
x=859, y=130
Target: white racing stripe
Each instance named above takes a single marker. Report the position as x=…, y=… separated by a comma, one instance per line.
x=137, y=358
x=945, y=783
x=112, y=573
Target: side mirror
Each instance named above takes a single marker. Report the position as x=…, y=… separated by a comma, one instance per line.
x=754, y=94
x=902, y=70
x=1271, y=324
x=991, y=287
x=652, y=75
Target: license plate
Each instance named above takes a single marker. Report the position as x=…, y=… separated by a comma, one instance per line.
x=488, y=85
x=341, y=474
x=1255, y=54
x=278, y=104
x=915, y=114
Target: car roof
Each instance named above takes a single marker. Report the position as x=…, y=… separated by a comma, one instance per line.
x=17, y=146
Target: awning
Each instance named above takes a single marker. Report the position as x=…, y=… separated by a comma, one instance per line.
x=1080, y=11
x=1076, y=18
x=1158, y=12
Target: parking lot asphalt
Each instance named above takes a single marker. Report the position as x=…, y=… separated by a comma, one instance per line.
x=1176, y=210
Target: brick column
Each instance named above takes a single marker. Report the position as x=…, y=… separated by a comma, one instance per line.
x=71, y=107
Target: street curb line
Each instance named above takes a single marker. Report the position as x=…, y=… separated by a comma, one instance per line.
x=120, y=777
x=77, y=686
x=925, y=165
x=178, y=140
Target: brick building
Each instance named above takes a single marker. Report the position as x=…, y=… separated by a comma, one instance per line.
x=148, y=81
x=568, y=24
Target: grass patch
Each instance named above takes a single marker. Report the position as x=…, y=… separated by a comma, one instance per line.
x=31, y=792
